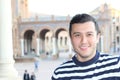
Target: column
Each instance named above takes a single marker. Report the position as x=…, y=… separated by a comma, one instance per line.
x=54, y=45
x=22, y=47
x=38, y=41
x=7, y=70
x=102, y=42
x=70, y=47
x=55, y=54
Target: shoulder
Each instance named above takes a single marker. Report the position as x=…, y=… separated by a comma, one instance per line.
x=108, y=57
x=62, y=68
x=64, y=65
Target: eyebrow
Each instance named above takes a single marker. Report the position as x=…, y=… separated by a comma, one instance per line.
x=80, y=32
x=76, y=32
x=90, y=32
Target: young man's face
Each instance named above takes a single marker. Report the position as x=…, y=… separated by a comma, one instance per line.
x=84, y=39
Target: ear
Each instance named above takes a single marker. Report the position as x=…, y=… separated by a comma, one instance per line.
x=98, y=37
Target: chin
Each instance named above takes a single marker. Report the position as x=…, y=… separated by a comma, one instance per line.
x=85, y=55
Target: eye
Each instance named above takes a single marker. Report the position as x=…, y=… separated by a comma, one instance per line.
x=89, y=34
x=76, y=35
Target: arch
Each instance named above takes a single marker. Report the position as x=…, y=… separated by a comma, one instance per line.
x=62, y=37
x=58, y=30
x=26, y=29
x=41, y=29
x=29, y=42
x=43, y=36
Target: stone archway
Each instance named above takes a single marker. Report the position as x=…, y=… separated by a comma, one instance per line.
x=43, y=39
x=29, y=42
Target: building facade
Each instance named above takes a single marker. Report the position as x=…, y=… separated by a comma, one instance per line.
x=109, y=23
x=48, y=35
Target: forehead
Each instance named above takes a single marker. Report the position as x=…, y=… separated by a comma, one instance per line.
x=83, y=27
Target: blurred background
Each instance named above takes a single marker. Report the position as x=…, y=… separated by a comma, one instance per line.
x=40, y=29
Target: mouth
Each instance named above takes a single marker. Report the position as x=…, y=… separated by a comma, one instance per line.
x=84, y=47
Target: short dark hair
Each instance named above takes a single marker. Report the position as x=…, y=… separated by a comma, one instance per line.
x=81, y=18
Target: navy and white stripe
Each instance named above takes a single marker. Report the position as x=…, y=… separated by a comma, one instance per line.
x=101, y=67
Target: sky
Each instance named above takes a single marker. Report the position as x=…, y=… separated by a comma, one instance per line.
x=67, y=7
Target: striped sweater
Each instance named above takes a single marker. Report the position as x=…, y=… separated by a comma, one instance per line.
x=101, y=67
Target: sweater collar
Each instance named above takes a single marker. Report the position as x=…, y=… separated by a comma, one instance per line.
x=87, y=63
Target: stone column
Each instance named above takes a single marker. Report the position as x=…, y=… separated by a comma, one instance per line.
x=54, y=45
x=55, y=54
x=7, y=70
x=102, y=42
x=38, y=46
x=70, y=48
x=22, y=47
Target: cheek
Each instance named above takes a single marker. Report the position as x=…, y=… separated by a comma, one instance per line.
x=95, y=41
x=75, y=41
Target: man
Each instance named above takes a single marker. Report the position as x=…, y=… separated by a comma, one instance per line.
x=87, y=63
x=26, y=76
x=33, y=77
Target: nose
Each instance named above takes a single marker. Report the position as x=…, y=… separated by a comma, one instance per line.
x=83, y=39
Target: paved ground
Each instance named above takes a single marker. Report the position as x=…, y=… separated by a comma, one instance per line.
x=45, y=71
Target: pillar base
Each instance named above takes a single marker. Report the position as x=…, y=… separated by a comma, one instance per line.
x=9, y=78
x=7, y=70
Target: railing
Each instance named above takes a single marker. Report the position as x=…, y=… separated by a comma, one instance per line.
x=45, y=18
